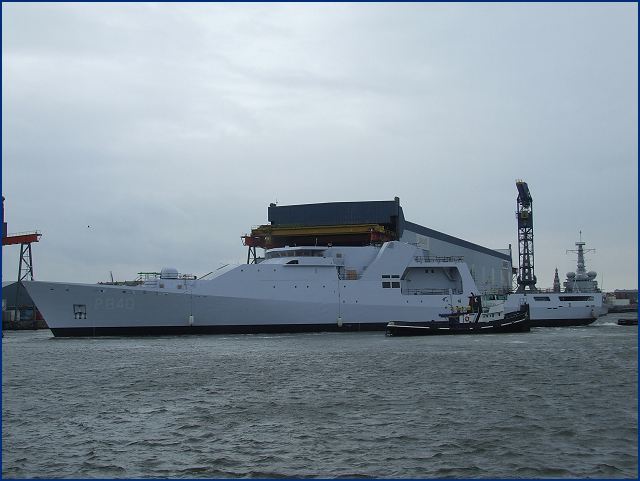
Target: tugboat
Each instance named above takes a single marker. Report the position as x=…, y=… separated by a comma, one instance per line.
x=626, y=321
x=474, y=320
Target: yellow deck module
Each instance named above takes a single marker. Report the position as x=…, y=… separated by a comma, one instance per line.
x=318, y=230
x=268, y=236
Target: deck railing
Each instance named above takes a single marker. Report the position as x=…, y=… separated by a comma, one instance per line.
x=425, y=259
x=431, y=292
x=27, y=232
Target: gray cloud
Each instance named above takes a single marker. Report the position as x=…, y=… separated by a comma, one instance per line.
x=170, y=127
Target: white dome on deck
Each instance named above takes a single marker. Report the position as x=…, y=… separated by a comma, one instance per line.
x=169, y=273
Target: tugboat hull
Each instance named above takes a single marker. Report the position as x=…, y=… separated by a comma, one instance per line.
x=628, y=322
x=513, y=322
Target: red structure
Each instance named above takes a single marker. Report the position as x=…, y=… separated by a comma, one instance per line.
x=21, y=238
x=25, y=239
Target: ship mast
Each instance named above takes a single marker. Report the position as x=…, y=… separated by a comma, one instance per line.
x=581, y=271
x=581, y=280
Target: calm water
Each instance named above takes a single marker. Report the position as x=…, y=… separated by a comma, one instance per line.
x=556, y=402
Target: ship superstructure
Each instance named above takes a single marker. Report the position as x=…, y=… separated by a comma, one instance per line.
x=581, y=280
x=374, y=222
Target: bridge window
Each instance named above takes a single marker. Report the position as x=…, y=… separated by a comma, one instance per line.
x=576, y=298
x=295, y=253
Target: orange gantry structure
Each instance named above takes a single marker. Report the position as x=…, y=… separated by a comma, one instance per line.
x=24, y=239
x=21, y=238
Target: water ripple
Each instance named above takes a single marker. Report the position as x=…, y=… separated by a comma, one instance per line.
x=555, y=403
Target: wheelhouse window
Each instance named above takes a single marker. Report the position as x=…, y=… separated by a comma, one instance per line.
x=541, y=298
x=576, y=298
x=295, y=253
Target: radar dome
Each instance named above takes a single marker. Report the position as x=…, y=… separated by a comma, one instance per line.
x=591, y=274
x=169, y=273
x=571, y=275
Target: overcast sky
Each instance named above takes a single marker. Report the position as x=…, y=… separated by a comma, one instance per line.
x=137, y=136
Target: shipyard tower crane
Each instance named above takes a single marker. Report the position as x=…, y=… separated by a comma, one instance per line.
x=524, y=214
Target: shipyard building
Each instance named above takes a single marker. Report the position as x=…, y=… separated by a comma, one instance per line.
x=364, y=223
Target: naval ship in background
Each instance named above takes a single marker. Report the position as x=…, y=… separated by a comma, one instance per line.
x=581, y=301
x=582, y=281
x=337, y=266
